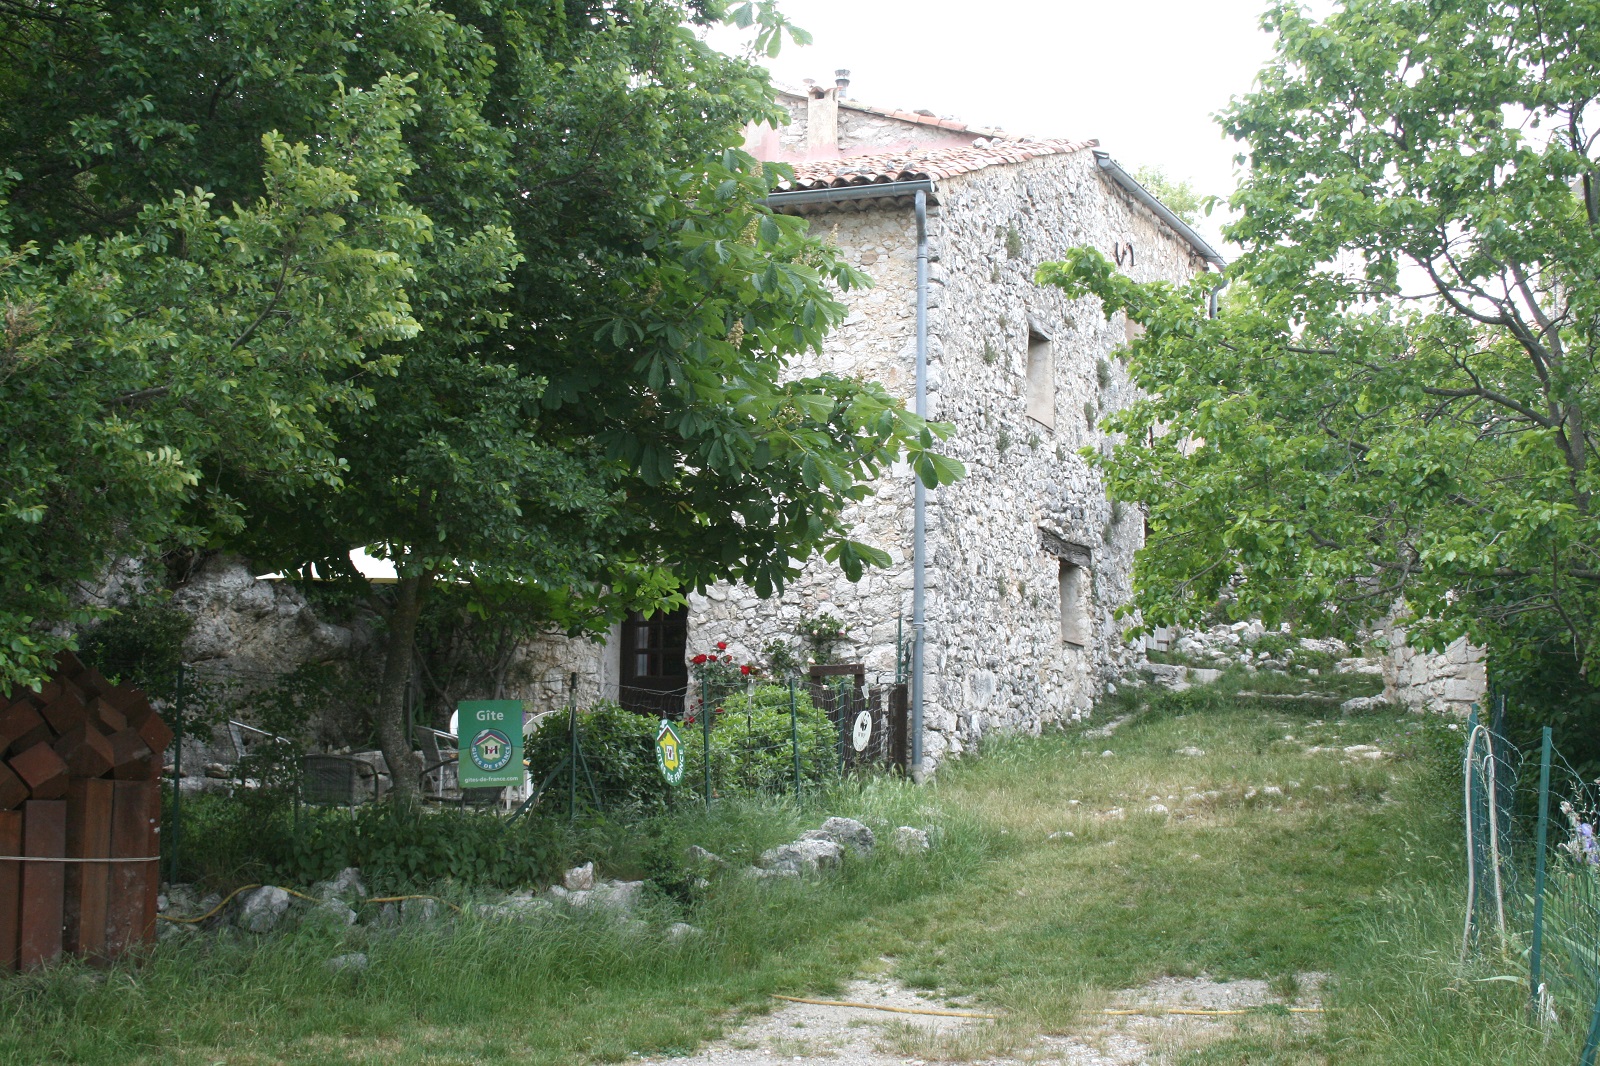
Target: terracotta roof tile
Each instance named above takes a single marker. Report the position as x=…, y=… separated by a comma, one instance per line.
x=934, y=163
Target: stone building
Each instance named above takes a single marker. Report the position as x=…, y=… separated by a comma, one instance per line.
x=1026, y=558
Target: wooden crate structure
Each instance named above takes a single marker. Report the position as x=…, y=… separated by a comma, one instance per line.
x=80, y=818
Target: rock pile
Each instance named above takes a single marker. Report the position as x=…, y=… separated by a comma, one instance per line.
x=817, y=850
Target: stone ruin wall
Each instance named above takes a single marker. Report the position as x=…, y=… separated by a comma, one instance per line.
x=995, y=657
x=1447, y=682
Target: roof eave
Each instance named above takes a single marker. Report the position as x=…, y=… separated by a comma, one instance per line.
x=793, y=199
x=1159, y=209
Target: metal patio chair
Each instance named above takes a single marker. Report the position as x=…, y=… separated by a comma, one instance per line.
x=438, y=759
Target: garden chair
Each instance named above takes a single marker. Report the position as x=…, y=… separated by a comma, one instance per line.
x=337, y=781
x=438, y=759
x=251, y=748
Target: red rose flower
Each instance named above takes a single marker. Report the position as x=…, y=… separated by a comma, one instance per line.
x=689, y=720
x=699, y=659
x=745, y=669
x=727, y=658
x=719, y=710
x=722, y=645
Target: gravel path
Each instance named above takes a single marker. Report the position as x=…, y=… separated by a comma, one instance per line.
x=850, y=1036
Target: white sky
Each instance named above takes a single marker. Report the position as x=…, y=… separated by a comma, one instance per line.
x=1144, y=77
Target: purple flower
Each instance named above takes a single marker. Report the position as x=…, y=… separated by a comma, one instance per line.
x=1591, y=847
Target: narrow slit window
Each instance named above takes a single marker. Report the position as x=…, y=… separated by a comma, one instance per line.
x=1041, y=380
x=1074, y=581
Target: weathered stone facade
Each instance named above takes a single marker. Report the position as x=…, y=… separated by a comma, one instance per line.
x=997, y=655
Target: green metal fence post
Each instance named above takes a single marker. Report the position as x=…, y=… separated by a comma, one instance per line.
x=177, y=779
x=705, y=724
x=1536, y=953
x=794, y=739
x=1593, y=1040
x=572, y=755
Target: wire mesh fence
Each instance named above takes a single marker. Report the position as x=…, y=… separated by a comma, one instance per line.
x=1533, y=871
x=757, y=736
x=284, y=746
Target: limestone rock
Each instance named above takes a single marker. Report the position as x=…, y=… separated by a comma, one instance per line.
x=237, y=616
x=1363, y=704
x=419, y=910
x=262, y=908
x=618, y=896
x=678, y=932
x=698, y=856
x=846, y=832
x=906, y=838
x=514, y=908
x=344, y=885
x=175, y=930
x=336, y=911
x=802, y=857
x=1191, y=751
x=355, y=962
x=579, y=878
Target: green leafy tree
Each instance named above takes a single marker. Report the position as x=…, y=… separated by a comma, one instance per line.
x=133, y=365
x=595, y=408
x=1177, y=195
x=1396, y=400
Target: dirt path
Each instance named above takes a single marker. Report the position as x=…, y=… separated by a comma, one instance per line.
x=852, y=1036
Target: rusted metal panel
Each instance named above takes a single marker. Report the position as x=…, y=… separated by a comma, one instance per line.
x=135, y=834
x=88, y=837
x=86, y=751
x=42, y=770
x=44, y=835
x=10, y=888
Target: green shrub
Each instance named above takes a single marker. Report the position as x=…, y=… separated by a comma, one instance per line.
x=752, y=744
x=619, y=750
x=237, y=839
x=402, y=848
x=751, y=751
x=1274, y=644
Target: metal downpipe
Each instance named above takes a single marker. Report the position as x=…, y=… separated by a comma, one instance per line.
x=920, y=506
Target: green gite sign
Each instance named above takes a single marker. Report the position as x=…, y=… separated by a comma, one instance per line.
x=491, y=743
x=669, y=752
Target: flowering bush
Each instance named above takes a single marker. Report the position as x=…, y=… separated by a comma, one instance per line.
x=716, y=676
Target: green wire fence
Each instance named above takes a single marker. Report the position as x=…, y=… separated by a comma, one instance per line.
x=1533, y=871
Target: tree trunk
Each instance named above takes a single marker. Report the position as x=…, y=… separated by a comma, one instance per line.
x=390, y=712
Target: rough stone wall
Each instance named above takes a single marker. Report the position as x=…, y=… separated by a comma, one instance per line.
x=244, y=623
x=543, y=668
x=995, y=653
x=1449, y=682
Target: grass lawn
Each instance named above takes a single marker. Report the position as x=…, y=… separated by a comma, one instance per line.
x=1056, y=881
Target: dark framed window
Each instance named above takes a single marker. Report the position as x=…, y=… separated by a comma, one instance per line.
x=653, y=658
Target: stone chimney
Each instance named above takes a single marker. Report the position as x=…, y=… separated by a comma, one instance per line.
x=822, y=121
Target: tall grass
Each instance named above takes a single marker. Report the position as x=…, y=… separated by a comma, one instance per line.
x=561, y=988
x=1055, y=882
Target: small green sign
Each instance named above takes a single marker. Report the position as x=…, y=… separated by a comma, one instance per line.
x=669, y=752
x=491, y=743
